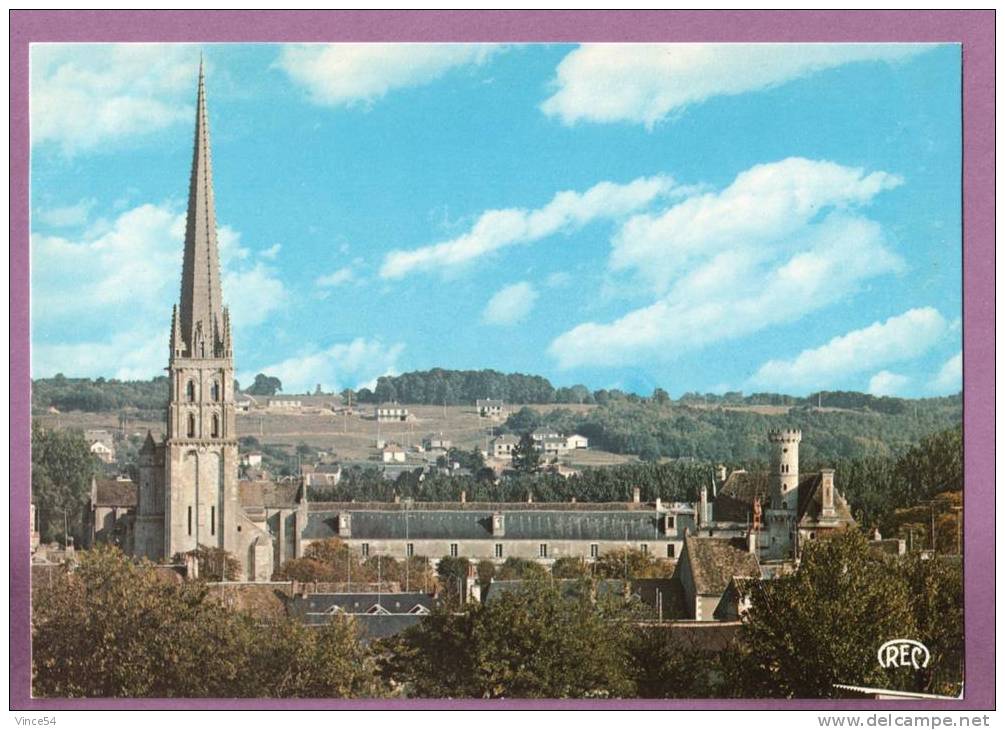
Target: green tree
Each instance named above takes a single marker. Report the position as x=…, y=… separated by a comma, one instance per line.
x=936, y=590
x=62, y=466
x=532, y=642
x=265, y=385
x=115, y=628
x=520, y=569
x=569, y=567
x=452, y=572
x=823, y=625
x=526, y=457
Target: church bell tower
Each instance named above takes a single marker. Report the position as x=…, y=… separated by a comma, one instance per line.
x=200, y=451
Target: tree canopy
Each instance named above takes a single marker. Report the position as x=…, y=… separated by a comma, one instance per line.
x=115, y=628
x=531, y=642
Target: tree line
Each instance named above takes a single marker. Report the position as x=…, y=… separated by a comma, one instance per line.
x=653, y=431
x=440, y=386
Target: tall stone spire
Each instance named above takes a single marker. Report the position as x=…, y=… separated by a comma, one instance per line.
x=200, y=312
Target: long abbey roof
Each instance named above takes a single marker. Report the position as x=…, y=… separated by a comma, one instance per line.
x=201, y=317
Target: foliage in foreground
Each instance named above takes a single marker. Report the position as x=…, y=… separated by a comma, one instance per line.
x=531, y=642
x=114, y=628
x=825, y=623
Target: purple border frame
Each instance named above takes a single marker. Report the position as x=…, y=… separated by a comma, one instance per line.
x=973, y=29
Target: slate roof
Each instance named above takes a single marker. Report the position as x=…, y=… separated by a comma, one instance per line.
x=115, y=493
x=745, y=485
x=268, y=494
x=330, y=604
x=427, y=524
x=811, y=501
x=714, y=561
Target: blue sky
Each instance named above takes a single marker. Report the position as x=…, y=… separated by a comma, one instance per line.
x=694, y=217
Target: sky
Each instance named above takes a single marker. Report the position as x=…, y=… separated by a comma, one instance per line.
x=696, y=217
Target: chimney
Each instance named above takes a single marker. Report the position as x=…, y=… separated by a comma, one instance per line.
x=498, y=524
x=530, y=497
x=702, y=506
x=344, y=524
x=636, y=495
x=721, y=472
x=752, y=542
x=464, y=496
x=659, y=504
x=827, y=486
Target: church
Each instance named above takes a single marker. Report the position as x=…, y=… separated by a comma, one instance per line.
x=188, y=487
x=189, y=494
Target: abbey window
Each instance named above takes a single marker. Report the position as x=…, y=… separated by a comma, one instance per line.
x=191, y=425
x=190, y=392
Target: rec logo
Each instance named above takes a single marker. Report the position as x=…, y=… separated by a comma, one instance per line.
x=903, y=653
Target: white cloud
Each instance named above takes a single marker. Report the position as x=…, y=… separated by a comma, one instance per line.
x=122, y=279
x=350, y=365
x=510, y=304
x=346, y=73
x=85, y=95
x=886, y=383
x=496, y=229
x=66, y=216
x=125, y=355
x=949, y=379
x=764, y=206
x=644, y=83
x=336, y=278
x=271, y=252
x=781, y=241
x=898, y=339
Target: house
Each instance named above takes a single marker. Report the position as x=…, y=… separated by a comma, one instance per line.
x=552, y=445
x=575, y=441
x=252, y=459
x=502, y=447
x=110, y=512
x=490, y=408
x=103, y=451
x=244, y=402
x=392, y=452
x=323, y=475
x=706, y=567
x=390, y=413
x=436, y=441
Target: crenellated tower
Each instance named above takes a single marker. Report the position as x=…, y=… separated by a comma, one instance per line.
x=784, y=467
x=778, y=541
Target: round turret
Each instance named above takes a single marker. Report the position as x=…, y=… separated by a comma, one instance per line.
x=785, y=467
